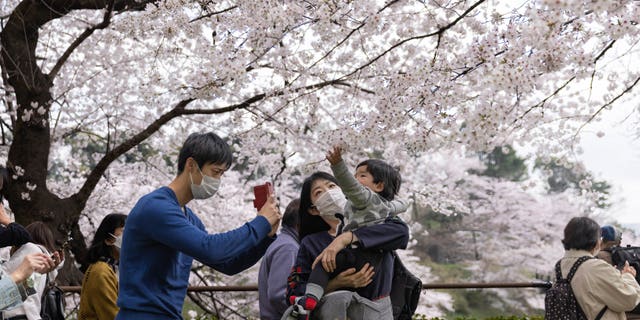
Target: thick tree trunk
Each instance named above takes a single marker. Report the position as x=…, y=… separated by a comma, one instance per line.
x=28, y=156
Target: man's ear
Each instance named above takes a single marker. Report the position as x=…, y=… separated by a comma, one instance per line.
x=109, y=241
x=191, y=162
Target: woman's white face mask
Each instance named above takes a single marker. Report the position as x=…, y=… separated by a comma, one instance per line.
x=118, y=241
x=331, y=202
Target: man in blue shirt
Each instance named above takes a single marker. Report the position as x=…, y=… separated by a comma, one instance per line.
x=163, y=235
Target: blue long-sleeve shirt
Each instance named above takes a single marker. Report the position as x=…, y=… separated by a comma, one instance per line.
x=159, y=244
x=388, y=236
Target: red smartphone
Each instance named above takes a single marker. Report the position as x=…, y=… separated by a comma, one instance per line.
x=261, y=193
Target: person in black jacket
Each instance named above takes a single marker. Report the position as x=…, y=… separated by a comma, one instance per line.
x=11, y=233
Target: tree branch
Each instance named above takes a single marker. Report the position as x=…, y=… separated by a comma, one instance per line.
x=106, y=20
x=213, y=13
x=606, y=105
x=94, y=177
x=400, y=43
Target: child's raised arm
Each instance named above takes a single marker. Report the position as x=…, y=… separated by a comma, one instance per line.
x=334, y=155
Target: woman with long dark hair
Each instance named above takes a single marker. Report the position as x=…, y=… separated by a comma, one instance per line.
x=100, y=282
x=364, y=293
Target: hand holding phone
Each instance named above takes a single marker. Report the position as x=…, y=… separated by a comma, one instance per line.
x=261, y=194
x=267, y=206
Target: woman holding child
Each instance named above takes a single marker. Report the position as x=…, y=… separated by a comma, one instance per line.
x=368, y=288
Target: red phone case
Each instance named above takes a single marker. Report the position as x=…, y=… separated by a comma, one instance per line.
x=261, y=192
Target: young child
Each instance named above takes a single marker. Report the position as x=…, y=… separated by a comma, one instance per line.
x=370, y=199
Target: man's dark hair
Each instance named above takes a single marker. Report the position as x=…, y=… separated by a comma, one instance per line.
x=385, y=173
x=205, y=148
x=290, y=218
x=310, y=224
x=581, y=233
x=107, y=228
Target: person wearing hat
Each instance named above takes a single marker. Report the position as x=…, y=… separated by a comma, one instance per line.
x=610, y=238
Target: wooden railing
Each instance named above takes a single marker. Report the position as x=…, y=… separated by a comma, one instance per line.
x=425, y=286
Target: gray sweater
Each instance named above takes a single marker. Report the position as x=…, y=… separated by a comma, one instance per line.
x=274, y=270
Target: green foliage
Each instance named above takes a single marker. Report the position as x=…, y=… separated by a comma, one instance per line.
x=449, y=272
x=503, y=162
x=474, y=303
x=562, y=177
x=435, y=221
x=189, y=305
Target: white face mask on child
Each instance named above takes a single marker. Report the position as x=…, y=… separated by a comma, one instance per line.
x=331, y=202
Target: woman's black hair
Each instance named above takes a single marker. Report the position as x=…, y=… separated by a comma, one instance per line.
x=107, y=227
x=310, y=224
x=581, y=233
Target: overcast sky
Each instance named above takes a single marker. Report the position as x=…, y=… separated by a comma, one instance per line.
x=615, y=157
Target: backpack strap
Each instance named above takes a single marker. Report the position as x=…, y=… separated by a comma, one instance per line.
x=601, y=313
x=558, y=272
x=575, y=266
x=45, y=253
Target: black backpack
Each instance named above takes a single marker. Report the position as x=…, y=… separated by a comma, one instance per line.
x=52, y=302
x=632, y=254
x=405, y=291
x=559, y=302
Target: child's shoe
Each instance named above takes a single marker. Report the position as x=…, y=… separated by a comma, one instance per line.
x=303, y=305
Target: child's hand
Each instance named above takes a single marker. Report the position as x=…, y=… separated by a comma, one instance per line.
x=334, y=155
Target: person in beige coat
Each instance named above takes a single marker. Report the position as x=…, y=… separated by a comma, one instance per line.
x=597, y=284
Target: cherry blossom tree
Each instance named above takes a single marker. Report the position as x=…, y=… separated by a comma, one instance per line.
x=99, y=95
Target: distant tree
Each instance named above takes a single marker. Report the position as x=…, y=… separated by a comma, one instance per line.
x=562, y=175
x=502, y=162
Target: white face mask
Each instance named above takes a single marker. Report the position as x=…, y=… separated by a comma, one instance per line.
x=118, y=242
x=331, y=202
x=207, y=187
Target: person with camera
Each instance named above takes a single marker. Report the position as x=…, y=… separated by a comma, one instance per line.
x=600, y=289
x=611, y=240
